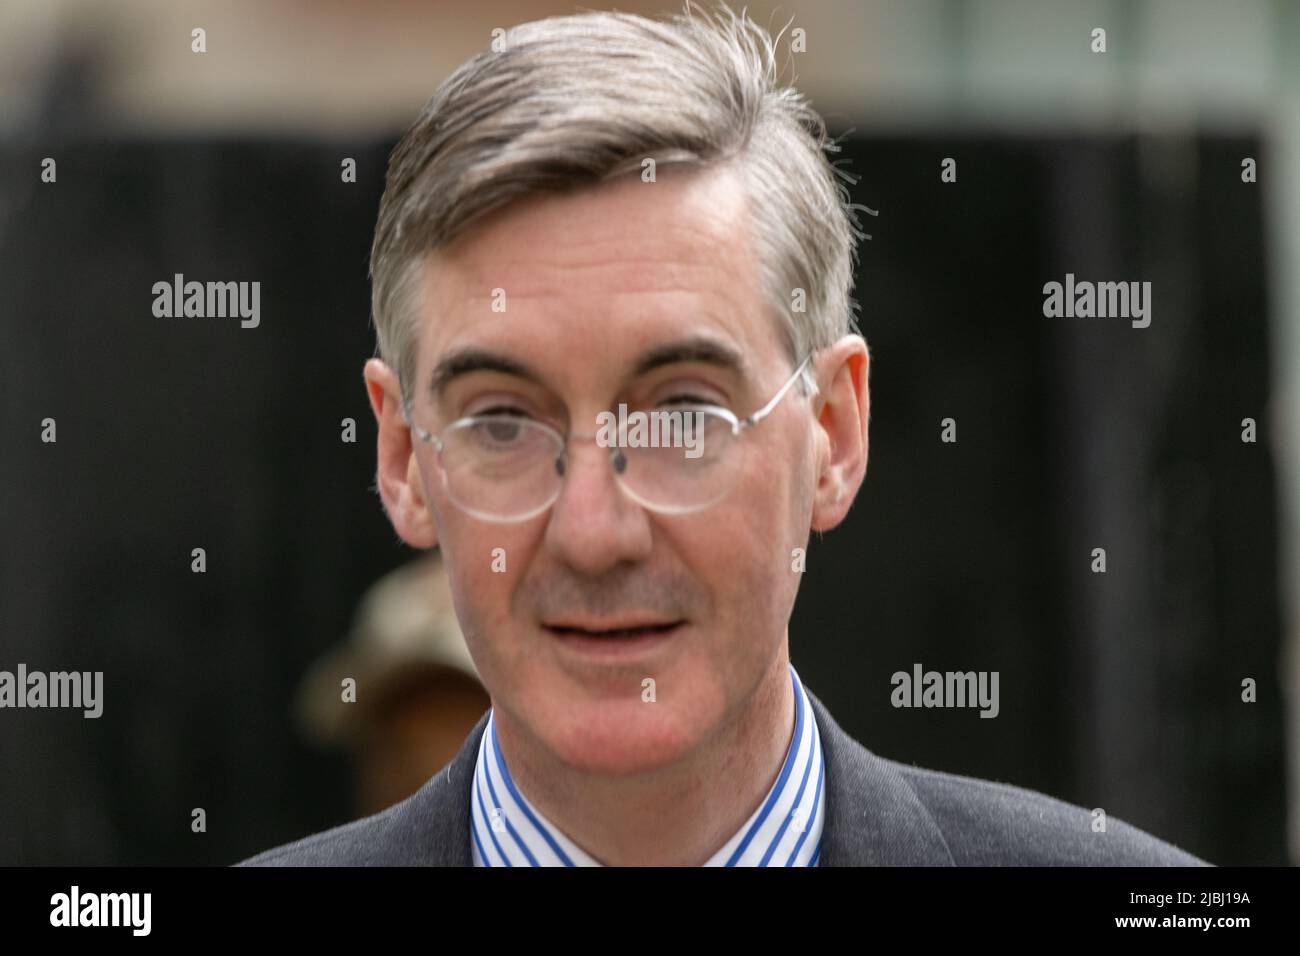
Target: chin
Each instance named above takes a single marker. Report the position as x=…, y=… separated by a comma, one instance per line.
x=622, y=737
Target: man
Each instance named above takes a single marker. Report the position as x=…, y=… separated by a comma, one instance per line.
x=609, y=213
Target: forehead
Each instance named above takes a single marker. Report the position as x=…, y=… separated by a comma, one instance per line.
x=607, y=272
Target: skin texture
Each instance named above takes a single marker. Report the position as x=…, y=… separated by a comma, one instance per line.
x=592, y=280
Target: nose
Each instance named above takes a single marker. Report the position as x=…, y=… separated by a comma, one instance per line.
x=593, y=525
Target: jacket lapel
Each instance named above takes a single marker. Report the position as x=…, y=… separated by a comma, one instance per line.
x=432, y=826
x=873, y=816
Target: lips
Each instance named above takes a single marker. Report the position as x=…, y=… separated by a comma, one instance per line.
x=632, y=628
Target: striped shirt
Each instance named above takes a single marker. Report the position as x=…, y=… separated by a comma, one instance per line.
x=785, y=830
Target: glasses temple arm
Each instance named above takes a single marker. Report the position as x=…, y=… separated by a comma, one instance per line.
x=762, y=413
x=421, y=433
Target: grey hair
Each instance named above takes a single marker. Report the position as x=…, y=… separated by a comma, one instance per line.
x=572, y=101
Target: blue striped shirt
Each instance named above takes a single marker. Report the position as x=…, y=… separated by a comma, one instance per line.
x=785, y=830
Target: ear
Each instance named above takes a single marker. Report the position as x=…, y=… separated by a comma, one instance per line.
x=398, y=477
x=843, y=416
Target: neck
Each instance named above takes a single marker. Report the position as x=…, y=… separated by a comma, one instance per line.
x=679, y=815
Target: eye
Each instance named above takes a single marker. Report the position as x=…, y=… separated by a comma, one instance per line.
x=686, y=398
x=500, y=410
x=501, y=433
x=500, y=428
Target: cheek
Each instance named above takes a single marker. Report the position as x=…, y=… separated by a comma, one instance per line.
x=484, y=566
x=468, y=551
x=802, y=494
x=745, y=548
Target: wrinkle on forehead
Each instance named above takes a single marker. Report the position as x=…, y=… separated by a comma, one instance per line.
x=603, y=273
x=656, y=233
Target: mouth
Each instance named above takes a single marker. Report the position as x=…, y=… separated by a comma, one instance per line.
x=616, y=631
x=614, y=641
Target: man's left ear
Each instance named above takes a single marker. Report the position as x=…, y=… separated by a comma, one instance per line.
x=844, y=415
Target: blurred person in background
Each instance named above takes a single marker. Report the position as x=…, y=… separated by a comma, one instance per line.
x=416, y=690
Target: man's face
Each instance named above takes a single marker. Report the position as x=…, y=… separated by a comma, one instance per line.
x=593, y=281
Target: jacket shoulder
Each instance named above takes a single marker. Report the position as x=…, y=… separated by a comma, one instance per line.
x=365, y=842
x=428, y=828
x=987, y=823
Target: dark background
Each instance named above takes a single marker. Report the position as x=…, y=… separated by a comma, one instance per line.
x=1119, y=691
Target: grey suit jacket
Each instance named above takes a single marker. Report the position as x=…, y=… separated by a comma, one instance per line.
x=878, y=813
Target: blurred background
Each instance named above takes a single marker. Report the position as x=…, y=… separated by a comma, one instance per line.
x=1120, y=690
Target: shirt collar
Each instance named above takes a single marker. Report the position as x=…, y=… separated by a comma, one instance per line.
x=785, y=830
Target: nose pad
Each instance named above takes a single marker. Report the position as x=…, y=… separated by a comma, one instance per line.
x=620, y=463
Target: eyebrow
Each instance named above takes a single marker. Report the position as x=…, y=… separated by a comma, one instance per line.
x=464, y=361
x=697, y=349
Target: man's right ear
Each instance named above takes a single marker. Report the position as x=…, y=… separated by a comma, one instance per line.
x=398, y=475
